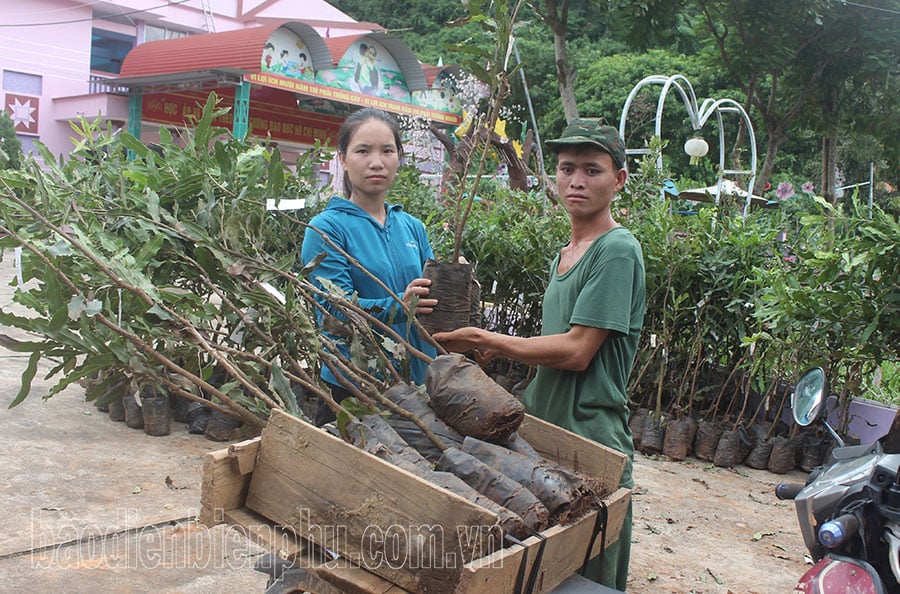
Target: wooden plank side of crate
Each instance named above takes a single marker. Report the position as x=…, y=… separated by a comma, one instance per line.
x=564, y=552
x=275, y=539
x=350, y=501
x=572, y=450
x=226, y=480
x=323, y=575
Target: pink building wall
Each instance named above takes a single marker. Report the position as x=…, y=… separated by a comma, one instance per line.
x=45, y=51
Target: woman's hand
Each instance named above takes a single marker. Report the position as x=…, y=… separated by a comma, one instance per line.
x=418, y=288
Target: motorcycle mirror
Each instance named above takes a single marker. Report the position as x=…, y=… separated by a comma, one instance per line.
x=808, y=399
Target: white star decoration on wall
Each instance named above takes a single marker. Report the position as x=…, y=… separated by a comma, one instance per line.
x=21, y=113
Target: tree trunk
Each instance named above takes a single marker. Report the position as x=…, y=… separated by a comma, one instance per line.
x=556, y=15
x=828, y=165
x=829, y=151
x=776, y=138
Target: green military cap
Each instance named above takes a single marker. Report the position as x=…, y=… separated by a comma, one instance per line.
x=595, y=132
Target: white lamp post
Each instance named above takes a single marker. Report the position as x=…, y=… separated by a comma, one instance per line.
x=696, y=148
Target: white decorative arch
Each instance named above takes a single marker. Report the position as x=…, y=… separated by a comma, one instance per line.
x=699, y=115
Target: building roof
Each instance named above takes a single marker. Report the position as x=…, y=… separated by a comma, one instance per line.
x=226, y=56
x=231, y=50
x=232, y=58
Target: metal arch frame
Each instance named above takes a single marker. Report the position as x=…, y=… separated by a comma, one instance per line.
x=699, y=115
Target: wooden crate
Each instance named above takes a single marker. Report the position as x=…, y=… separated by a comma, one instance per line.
x=299, y=490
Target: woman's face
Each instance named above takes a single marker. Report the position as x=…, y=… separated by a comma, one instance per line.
x=371, y=160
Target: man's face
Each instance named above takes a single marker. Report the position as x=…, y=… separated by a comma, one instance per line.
x=587, y=179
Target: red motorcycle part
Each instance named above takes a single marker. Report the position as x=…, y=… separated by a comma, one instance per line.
x=840, y=576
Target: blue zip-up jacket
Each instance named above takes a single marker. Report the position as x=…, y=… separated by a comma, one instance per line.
x=394, y=253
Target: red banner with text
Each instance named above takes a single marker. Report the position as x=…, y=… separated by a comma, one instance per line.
x=272, y=114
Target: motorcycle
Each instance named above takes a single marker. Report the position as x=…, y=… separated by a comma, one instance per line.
x=849, y=508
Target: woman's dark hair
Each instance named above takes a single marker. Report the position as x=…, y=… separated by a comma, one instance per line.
x=352, y=124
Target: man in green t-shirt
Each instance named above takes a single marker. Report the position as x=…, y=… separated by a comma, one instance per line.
x=593, y=310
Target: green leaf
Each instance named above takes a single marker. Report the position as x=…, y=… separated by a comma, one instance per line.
x=159, y=312
x=60, y=248
x=281, y=386
x=149, y=250
x=27, y=377
x=20, y=346
x=153, y=204
x=134, y=145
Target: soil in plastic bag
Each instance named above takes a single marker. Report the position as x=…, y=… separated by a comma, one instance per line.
x=758, y=457
x=411, y=400
x=117, y=411
x=509, y=521
x=221, y=426
x=652, y=434
x=708, y=435
x=812, y=451
x=198, y=415
x=565, y=493
x=468, y=400
x=492, y=483
x=180, y=406
x=453, y=284
x=679, y=438
x=636, y=422
x=733, y=448
x=134, y=416
x=518, y=444
x=784, y=455
x=155, y=410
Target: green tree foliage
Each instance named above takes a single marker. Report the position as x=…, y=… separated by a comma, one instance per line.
x=159, y=268
x=782, y=63
x=835, y=297
x=10, y=147
x=818, y=69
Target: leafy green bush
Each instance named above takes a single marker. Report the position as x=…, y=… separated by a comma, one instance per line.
x=155, y=265
x=736, y=306
x=837, y=297
x=10, y=147
x=158, y=266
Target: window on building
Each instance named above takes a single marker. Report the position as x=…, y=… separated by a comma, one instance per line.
x=22, y=82
x=108, y=50
x=155, y=33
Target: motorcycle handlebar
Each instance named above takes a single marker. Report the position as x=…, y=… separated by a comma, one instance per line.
x=788, y=490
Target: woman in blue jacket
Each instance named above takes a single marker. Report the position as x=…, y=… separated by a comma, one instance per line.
x=388, y=242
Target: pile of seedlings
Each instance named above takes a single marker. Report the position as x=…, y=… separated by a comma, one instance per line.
x=460, y=434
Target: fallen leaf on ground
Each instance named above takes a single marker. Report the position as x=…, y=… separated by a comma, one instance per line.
x=761, y=535
x=651, y=528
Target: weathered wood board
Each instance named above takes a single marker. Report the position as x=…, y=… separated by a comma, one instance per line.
x=304, y=480
x=374, y=514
